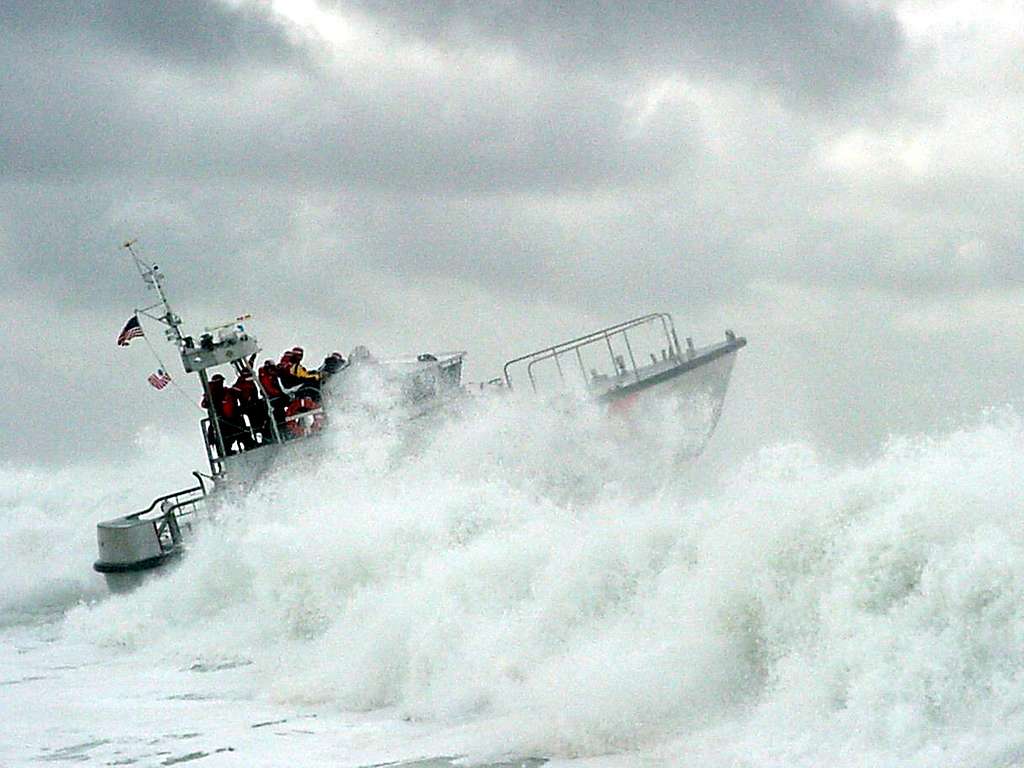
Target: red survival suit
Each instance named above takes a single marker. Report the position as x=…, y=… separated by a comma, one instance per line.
x=227, y=408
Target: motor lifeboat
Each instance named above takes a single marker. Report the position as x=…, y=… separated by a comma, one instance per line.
x=628, y=366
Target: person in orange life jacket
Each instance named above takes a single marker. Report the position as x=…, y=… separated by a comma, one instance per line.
x=268, y=379
x=268, y=374
x=228, y=411
x=291, y=385
x=251, y=406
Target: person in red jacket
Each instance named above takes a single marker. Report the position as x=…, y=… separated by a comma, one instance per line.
x=227, y=409
x=269, y=380
x=252, y=407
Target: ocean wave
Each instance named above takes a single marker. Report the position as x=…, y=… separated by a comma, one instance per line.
x=566, y=579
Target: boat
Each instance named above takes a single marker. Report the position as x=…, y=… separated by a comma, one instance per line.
x=628, y=366
x=134, y=544
x=610, y=366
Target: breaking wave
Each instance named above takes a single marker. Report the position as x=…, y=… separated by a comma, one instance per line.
x=560, y=579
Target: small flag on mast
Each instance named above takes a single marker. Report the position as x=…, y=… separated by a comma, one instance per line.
x=160, y=379
x=132, y=329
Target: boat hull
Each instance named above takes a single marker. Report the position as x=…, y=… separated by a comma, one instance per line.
x=707, y=371
x=689, y=394
x=124, y=577
x=134, y=545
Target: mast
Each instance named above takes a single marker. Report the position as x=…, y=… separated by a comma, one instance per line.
x=154, y=280
x=232, y=345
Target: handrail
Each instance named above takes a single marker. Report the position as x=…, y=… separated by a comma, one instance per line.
x=303, y=414
x=202, y=479
x=668, y=326
x=168, y=523
x=216, y=462
x=178, y=506
x=163, y=498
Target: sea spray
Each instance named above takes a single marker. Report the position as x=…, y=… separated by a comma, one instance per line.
x=535, y=569
x=48, y=521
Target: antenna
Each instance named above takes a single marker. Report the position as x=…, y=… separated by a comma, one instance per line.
x=154, y=280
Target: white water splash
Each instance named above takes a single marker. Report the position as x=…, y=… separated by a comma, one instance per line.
x=573, y=591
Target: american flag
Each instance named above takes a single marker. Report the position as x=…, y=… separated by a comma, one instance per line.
x=131, y=330
x=160, y=379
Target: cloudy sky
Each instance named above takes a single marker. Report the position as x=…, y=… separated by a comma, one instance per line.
x=840, y=181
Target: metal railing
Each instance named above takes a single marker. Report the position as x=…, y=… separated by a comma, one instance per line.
x=185, y=507
x=605, y=335
x=216, y=462
x=168, y=500
x=170, y=508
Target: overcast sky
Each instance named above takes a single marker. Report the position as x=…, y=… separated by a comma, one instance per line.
x=840, y=181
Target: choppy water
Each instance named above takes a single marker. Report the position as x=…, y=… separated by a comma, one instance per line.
x=529, y=582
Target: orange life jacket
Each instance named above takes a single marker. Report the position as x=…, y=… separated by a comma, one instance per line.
x=268, y=380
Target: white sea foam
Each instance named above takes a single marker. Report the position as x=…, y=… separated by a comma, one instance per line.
x=48, y=519
x=553, y=574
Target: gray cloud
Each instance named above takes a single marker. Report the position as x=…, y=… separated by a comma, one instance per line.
x=821, y=50
x=185, y=32
x=94, y=112
x=711, y=159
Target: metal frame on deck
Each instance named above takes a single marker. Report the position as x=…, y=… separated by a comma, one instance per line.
x=172, y=506
x=595, y=337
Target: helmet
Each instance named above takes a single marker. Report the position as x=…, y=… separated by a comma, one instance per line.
x=217, y=377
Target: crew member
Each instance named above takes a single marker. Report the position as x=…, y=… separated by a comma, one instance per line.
x=333, y=363
x=268, y=374
x=227, y=409
x=251, y=406
x=288, y=382
x=308, y=381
